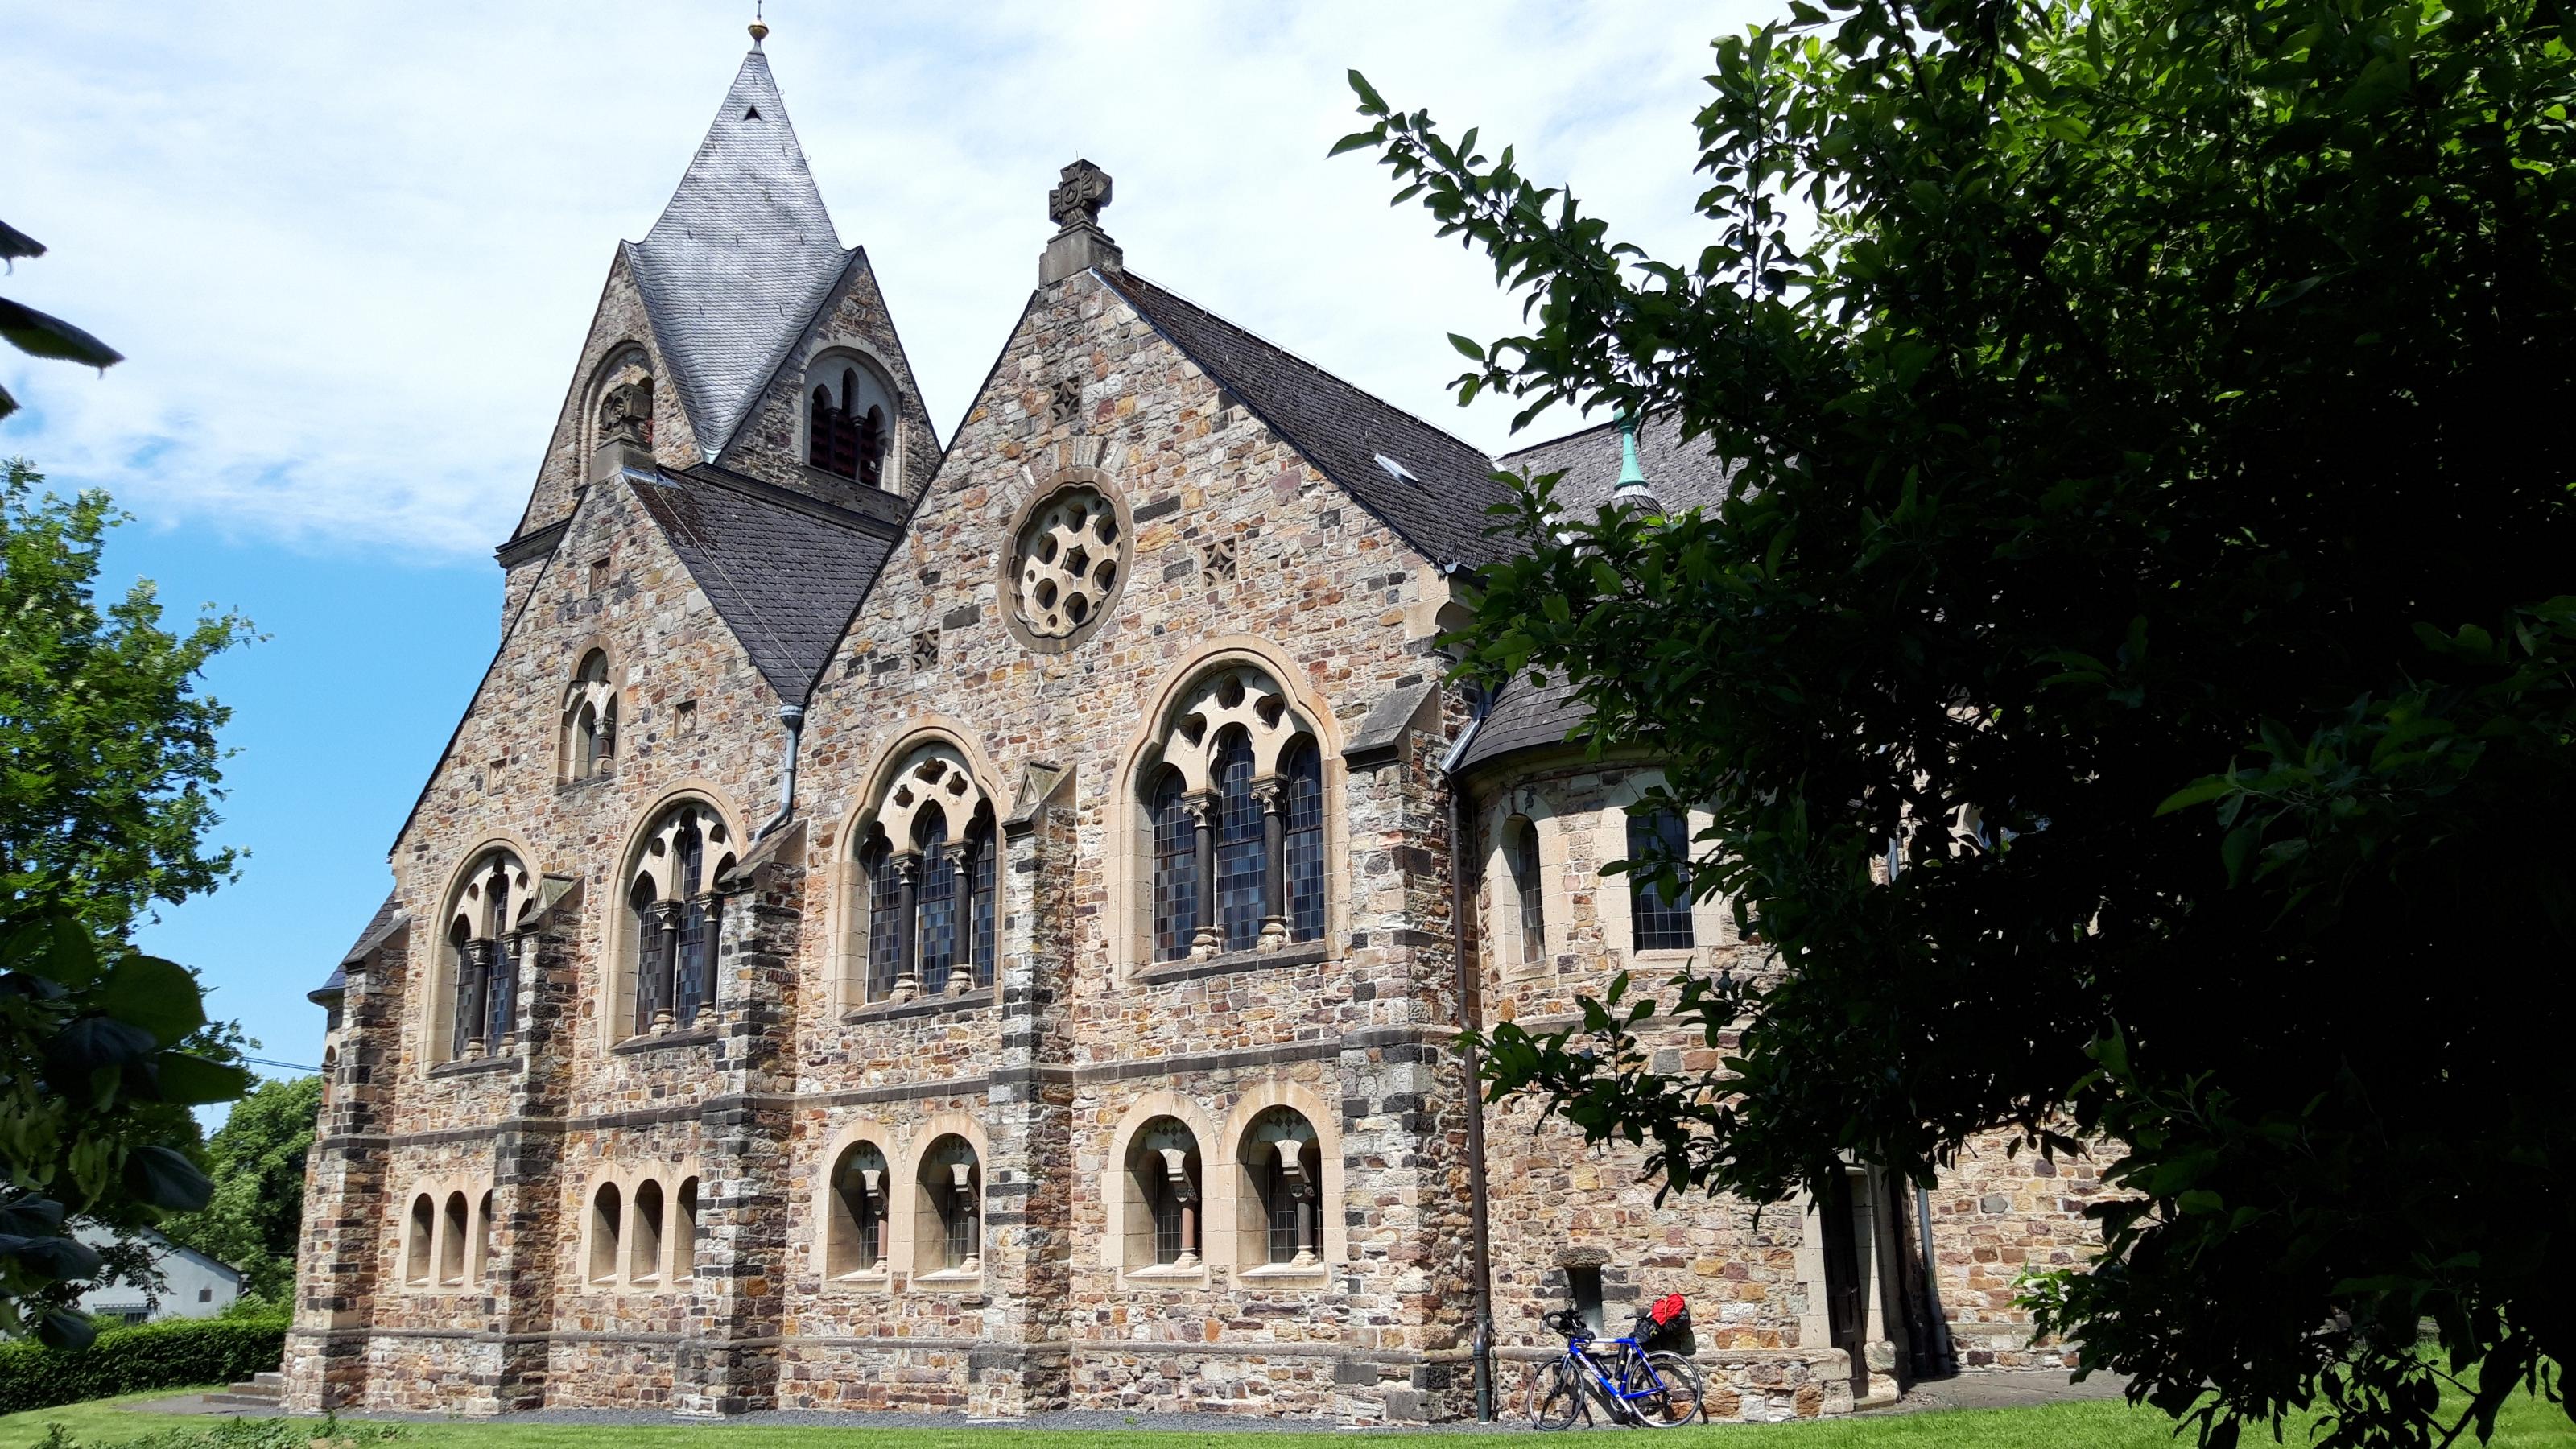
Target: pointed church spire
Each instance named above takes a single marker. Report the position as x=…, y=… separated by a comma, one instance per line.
x=740, y=256
x=1632, y=487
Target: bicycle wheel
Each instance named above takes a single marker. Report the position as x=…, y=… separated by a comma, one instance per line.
x=1556, y=1397
x=1671, y=1397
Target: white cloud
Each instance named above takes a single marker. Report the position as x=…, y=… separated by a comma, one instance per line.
x=349, y=251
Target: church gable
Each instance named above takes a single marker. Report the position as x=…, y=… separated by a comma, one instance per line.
x=620, y=334
x=614, y=586
x=851, y=352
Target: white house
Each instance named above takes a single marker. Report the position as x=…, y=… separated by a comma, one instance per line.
x=198, y=1286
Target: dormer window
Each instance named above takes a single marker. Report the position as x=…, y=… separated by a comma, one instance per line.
x=849, y=419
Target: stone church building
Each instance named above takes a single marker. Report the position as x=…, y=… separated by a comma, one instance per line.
x=978, y=924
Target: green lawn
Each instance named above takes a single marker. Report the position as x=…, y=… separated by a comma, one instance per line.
x=2092, y=1425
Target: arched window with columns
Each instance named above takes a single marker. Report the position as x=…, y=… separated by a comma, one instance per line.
x=1283, y=1173
x=921, y=899
x=1235, y=808
x=485, y=936
x=673, y=917
x=1163, y=1217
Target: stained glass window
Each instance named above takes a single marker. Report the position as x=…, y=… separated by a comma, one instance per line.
x=1303, y=866
x=981, y=868
x=1176, y=871
x=1239, y=863
x=936, y=938
x=885, y=934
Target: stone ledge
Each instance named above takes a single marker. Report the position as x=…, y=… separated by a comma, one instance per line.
x=1303, y=953
x=981, y=998
x=695, y=1036
x=477, y=1066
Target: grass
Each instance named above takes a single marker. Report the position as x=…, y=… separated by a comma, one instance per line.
x=2527, y=1424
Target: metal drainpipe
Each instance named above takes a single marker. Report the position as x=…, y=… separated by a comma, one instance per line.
x=792, y=716
x=1478, y=1225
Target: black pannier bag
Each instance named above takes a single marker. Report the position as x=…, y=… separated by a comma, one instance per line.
x=1666, y=1324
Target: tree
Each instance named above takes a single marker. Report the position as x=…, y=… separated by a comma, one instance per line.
x=2151, y=523
x=111, y=768
x=37, y=334
x=256, y=1212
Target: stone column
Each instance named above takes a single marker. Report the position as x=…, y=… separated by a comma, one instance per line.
x=1272, y=794
x=1024, y=1365
x=907, y=926
x=1203, y=806
x=727, y=1360
x=346, y=1218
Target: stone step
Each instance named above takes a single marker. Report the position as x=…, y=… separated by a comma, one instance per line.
x=231, y=1400
x=273, y=1379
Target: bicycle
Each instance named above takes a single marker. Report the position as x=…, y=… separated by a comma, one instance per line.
x=1652, y=1388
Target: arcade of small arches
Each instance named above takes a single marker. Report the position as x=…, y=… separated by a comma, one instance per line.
x=640, y=1231
x=446, y=1243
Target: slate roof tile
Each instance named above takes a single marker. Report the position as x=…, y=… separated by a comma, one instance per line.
x=1680, y=474
x=1439, y=508
x=785, y=572
x=740, y=258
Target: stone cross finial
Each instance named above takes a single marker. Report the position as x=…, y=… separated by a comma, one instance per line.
x=1079, y=244
x=1078, y=199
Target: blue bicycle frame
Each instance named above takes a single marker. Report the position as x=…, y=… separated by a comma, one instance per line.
x=1632, y=1352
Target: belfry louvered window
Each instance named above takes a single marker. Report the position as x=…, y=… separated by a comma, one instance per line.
x=847, y=434
x=1659, y=921
x=1176, y=871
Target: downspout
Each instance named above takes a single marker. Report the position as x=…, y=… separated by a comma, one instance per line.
x=792, y=716
x=1479, y=1228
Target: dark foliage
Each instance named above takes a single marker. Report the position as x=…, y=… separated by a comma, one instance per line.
x=2154, y=523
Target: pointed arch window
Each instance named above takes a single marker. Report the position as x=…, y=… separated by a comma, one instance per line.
x=675, y=918
x=484, y=939
x=1656, y=922
x=1236, y=817
x=927, y=871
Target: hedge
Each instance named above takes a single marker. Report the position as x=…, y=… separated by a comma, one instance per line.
x=175, y=1354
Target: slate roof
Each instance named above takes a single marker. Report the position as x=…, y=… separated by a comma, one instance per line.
x=1681, y=475
x=368, y=938
x=742, y=255
x=1526, y=717
x=1343, y=431
x=784, y=570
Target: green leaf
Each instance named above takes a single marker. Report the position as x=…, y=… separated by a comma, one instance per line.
x=191, y=1081
x=157, y=995
x=1468, y=347
x=2208, y=787
x=165, y=1179
x=39, y=335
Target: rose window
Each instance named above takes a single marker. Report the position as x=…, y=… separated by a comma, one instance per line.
x=1069, y=562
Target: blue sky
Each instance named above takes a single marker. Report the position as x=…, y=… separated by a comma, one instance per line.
x=350, y=252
